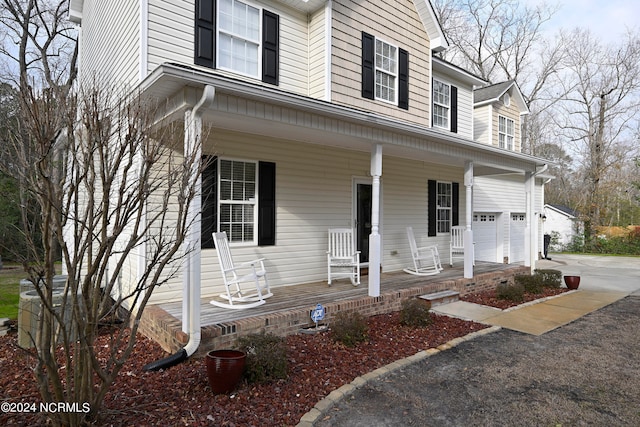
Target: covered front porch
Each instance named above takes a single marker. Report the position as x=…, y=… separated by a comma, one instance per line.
x=289, y=309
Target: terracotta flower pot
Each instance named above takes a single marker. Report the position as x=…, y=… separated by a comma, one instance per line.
x=224, y=369
x=572, y=282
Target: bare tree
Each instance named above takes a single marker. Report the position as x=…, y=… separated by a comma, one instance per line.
x=503, y=40
x=105, y=187
x=600, y=112
x=108, y=182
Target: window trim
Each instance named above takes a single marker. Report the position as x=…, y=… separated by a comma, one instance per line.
x=447, y=107
x=256, y=198
x=509, y=139
x=440, y=208
x=377, y=69
x=260, y=39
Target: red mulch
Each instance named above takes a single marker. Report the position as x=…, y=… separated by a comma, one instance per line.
x=181, y=395
x=489, y=298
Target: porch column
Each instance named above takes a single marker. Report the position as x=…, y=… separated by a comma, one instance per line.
x=529, y=179
x=469, y=254
x=375, y=238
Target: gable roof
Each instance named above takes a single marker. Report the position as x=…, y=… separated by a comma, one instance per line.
x=431, y=25
x=493, y=93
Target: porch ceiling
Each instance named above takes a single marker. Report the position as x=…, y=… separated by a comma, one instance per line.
x=249, y=108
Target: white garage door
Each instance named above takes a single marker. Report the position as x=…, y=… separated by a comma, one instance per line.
x=485, y=232
x=516, y=239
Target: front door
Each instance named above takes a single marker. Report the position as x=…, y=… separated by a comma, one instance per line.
x=363, y=219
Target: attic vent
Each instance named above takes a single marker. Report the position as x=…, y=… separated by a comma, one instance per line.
x=506, y=99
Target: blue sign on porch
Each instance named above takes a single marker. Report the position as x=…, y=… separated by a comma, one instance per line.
x=317, y=314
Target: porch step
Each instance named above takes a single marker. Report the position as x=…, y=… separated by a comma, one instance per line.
x=440, y=298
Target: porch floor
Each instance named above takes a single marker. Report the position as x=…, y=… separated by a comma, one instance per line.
x=309, y=294
x=289, y=307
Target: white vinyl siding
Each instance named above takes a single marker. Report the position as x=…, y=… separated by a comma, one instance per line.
x=505, y=195
x=317, y=55
x=311, y=198
x=482, y=124
x=380, y=20
x=465, y=105
x=171, y=39
x=109, y=44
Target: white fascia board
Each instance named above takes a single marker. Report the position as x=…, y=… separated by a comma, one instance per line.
x=171, y=78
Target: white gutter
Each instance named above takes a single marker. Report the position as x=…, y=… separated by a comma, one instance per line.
x=191, y=264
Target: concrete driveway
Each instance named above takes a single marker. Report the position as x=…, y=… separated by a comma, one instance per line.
x=582, y=373
x=598, y=272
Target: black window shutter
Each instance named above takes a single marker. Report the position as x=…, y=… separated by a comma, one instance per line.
x=403, y=79
x=205, y=25
x=368, y=68
x=455, y=205
x=266, y=204
x=270, y=47
x=454, y=109
x=209, y=222
x=431, y=210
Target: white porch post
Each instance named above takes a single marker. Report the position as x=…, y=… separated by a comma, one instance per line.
x=469, y=254
x=375, y=238
x=529, y=180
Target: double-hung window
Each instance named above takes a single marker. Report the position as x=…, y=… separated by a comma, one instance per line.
x=443, y=208
x=506, y=132
x=386, y=71
x=238, y=197
x=237, y=204
x=238, y=37
x=441, y=104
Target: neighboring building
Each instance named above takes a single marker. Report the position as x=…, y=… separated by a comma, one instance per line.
x=326, y=114
x=565, y=222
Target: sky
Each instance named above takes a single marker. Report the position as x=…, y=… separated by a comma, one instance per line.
x=606, y=18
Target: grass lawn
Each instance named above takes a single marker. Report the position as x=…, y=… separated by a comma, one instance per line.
x=10, y=277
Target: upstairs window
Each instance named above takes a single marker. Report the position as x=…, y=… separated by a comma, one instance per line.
x=386, y=71
x=441, y=104
x=238, y=37
x=445, y=106
x=506, y=132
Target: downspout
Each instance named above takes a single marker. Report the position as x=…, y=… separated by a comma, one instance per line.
x=191, y=262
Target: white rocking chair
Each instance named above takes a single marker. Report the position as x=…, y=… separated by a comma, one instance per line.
x=343, y=260
x=426, y=260
x=235, y=297
x=456, y=247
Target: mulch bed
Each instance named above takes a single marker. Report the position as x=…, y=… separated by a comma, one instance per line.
x=182, y=396
x=489, y=298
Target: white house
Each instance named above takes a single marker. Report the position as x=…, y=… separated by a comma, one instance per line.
x=565, y=222
x=324, y=113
